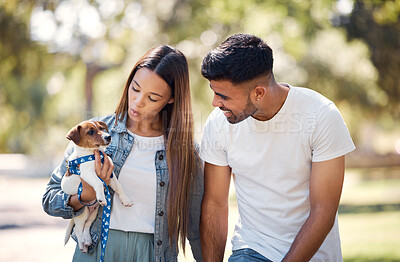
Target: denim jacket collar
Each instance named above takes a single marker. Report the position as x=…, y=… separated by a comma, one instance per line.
x=120, y=127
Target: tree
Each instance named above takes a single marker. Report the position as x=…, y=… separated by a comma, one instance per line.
x=83, y=31
x=377, y=23
x=24, y=67
x=84, y=47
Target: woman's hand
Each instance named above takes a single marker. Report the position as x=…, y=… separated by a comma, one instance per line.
x=104, y=170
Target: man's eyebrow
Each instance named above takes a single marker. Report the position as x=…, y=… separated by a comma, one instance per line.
x=218, y=94
x=221, y=95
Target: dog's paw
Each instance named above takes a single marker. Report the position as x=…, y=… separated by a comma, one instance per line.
x=84, y=249
x=87, y=240
x=101, y=199
x=127, y=203
x=102, y=202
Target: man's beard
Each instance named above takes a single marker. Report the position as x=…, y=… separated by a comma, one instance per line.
x=249, y=110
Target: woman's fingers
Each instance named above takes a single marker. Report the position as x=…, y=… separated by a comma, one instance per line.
x=97, y=164
x=104, y=170
x=110, y=168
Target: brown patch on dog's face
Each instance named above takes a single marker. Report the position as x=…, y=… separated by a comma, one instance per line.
x=73, y=134
x=90, y=134
x=102, y=125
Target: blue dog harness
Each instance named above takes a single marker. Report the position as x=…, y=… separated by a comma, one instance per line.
x=73, y=168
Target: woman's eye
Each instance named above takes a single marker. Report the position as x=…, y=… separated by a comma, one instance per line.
x=134, y=89
x=91, y=132
x=152, y=100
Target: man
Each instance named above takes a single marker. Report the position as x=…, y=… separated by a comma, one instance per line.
x=284, y=147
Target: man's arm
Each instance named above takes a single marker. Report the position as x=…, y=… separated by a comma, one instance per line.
x=214, y=212
x=325, y=190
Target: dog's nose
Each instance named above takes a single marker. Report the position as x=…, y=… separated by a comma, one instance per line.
x=107, y=138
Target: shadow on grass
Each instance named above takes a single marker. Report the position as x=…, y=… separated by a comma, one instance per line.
x=371, y=259
x=353, y=209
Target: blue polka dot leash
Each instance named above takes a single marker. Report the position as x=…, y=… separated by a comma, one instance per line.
x=73, y=168
x=105, y=225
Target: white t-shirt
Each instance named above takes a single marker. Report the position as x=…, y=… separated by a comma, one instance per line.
x=138, y=178
x=271, y=166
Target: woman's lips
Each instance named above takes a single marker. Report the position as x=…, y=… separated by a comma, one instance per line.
x=135, y=113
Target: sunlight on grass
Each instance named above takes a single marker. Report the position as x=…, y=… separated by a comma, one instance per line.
x=371, y=192
x=370, y=237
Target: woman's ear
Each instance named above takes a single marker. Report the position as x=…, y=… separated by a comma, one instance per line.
x=171, y=101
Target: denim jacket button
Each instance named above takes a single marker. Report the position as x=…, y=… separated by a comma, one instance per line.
x=160, y=157
x=159, y=242
x=162, y=183
x=161, y=213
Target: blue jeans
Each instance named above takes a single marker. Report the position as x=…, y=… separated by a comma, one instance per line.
x=247, y=255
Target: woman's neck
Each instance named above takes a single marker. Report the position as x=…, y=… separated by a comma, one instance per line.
x=145, y=128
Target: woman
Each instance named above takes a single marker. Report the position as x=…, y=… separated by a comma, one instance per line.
x=154, y=157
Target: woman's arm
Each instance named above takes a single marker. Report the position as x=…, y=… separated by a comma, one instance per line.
x=55, y=201
x=196, y=196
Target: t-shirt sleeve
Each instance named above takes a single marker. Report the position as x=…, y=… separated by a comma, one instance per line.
x=213, y=149
x=331, y=138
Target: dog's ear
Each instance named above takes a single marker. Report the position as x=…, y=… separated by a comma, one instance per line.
x=73, y=134
x=103, y=125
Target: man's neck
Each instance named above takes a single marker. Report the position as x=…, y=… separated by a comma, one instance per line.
x=273, y=101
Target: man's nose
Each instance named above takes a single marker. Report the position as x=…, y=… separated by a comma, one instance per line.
x=216, y=102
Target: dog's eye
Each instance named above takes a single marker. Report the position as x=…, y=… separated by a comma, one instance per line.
x=91, y=132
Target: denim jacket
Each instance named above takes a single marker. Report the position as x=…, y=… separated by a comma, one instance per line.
x=55, y=201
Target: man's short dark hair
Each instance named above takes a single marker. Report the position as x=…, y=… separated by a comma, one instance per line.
x=240, y=58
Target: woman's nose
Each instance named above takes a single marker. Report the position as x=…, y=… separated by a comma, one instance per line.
x=139, y=101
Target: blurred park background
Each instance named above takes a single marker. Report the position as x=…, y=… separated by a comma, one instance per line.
x=63, y=61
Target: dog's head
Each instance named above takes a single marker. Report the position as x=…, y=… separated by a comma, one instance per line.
x=90, y=134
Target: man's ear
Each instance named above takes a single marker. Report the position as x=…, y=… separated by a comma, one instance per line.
x=73, y=134
x=259, y=92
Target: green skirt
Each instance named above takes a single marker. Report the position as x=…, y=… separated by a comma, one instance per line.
x=121, y=247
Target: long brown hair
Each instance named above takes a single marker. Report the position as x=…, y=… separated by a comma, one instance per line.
x=177, y=120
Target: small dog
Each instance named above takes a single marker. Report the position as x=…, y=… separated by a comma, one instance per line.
x=87, y=137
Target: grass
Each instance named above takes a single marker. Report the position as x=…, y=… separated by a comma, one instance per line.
x=369, y=215
x=370, y=236
x=360, y=191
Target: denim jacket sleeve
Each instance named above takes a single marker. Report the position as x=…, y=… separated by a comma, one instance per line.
x=55, y=201
x=196, y=197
